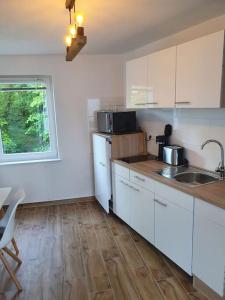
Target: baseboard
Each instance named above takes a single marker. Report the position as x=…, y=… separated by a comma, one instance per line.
x=59, y=202
x=204, y=289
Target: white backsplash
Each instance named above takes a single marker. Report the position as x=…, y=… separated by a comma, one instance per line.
x=191, y=127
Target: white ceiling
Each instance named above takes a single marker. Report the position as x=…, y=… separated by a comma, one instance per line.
x=112, y=26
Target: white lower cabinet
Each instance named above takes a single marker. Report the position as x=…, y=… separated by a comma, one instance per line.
x=209, y=245
x=161, y=214
x=142, y=212
x=135, y=206
x=173, y=232
x=122, y=198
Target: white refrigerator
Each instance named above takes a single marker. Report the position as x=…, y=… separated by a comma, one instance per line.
x=102, y=169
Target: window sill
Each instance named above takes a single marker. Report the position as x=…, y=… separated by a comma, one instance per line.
x=29, y=161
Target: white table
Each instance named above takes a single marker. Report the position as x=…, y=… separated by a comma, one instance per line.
x=4, y=192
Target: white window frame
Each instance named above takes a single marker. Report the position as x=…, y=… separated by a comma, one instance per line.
x=53, y=153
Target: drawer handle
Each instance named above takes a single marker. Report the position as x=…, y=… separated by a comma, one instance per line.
x=130, y=186
x=139, y=178
x=124, y=182
x=182, y=102
x=133, y=188
x=146, y=103
x=161, y=203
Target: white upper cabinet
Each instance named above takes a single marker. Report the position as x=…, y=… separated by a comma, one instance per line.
x=162, y=76
x=137, y=92
x=189, y=75
x=151, y=80
x=199, y=72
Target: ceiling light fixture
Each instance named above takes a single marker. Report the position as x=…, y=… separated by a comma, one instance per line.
x=75, y=39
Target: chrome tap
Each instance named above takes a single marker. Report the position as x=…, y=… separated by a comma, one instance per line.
x=220, y=168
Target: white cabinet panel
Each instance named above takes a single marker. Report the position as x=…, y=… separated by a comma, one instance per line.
x=122, y=198
x=161, y=77
x=102, y=170
x=209, y=246
x=135, y=206
x=137, y=91
x=142, y=180
x=142, y=212
x=174, y=196
x=199, y=72
x=121, y=170
x=173, y=232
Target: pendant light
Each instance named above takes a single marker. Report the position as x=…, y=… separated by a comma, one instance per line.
x=75, y=39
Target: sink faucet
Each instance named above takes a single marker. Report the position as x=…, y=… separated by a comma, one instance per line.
x=220, y=168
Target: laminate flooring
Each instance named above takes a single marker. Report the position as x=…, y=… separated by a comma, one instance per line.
x=77, y=252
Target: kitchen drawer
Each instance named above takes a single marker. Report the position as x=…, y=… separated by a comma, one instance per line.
x=142, y=180
x=174, y=196
x=121, y=170
x=211, y=212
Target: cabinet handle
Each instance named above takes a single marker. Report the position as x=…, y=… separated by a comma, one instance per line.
x=133, y=188
x=146, y=103
x=123, y=182
x=139, y=178
x=161, y=203
x=102, y=164
x=130, y=186
x=182, y=102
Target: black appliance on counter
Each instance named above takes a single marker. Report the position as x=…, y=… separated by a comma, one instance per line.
x=163, y=140
x=138, y=158
x=117, y=122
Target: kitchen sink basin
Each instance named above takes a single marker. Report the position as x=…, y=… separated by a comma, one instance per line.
x=195, y=178
x=188, y=175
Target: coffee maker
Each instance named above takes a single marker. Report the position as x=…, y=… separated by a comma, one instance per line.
x=163, y=140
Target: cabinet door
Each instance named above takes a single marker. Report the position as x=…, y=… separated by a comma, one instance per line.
x=102, y=170
x=173, y=232
x=209, y=249
x=161, y=77
x=199, y=72
x=137, y=92
x=142, y=212
x=122, y=198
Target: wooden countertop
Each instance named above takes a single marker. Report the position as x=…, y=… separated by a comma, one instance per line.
x=213, y=193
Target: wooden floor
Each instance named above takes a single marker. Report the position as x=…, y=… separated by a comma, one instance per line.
x=76, y=251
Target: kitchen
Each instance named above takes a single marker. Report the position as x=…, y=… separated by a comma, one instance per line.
x=172, y=245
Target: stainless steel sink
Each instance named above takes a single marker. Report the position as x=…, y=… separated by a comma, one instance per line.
x=195, y=178
x=189, y=175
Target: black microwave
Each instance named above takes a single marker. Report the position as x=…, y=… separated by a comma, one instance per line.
x=116, y=122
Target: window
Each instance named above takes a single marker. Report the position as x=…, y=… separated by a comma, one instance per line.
x=27, y=119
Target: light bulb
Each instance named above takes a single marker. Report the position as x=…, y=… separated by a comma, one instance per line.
x=79, y=19
x=72, y=30
x=68, y=40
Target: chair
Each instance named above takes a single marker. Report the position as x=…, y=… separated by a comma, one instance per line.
x=7, y=228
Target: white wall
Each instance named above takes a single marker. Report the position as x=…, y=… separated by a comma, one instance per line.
x=191, y=126
x=74, y=83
